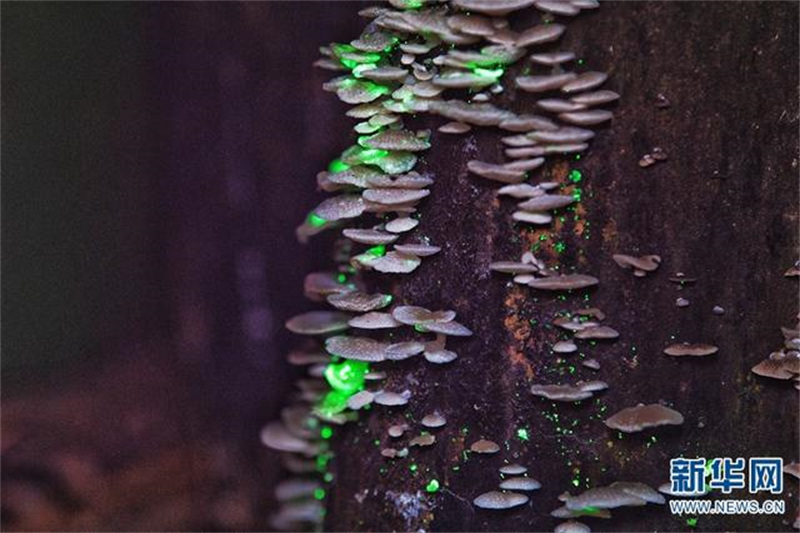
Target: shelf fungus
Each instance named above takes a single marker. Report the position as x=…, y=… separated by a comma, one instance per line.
x=582, y=390
x=572, y=526
x=499, y=500
x=641, y=417
x=641, y=265
x=520, y=483
x=412, y=55
x=684, y=349
x=618, y=494
x=484, y=446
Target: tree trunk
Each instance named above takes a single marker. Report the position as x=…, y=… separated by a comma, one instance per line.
x=722, y=208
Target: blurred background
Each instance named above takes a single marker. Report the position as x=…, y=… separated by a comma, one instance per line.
x=156, y=158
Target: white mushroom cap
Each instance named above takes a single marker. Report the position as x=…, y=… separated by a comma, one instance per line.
x=633, y=419
x=500, y=500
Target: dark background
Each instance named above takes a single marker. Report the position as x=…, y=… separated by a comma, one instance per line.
x=157, y=157
x=149, y=257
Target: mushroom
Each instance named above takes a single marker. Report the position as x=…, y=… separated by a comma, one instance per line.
x=640, y=265
x=572, y=526
x=513, y=469
x=433, y=420
x=484, y=446
x=356, y=348
x=520, y=483
x=597, y=332
x=564, y=282
x=500, y=500
x=359, y=302
x=540, y=34
x=694, y=350
x=640, y=417
x=318, y=323
x=374, y=320
x=494, y=172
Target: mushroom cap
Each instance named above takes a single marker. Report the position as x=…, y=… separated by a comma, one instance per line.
x=572, y=526
x=393, y=196
x=396, y=263
x=426, y=439
x=640, y=417
x=597, y=332
x=565, y=347
x=484, y=446
x=695, y=350
x=604, y=498
x=564, y=282
x=546, y=202
x=513, y=267
x=773, y=368
x=585, y=81
x=492, y=7
x=359, y=302
x=495, y=172
x=402, y=140
x=433, y=420
x=403, y=350
x=369, y=236
x=412, y=315
x=513, y=469
x=532, y=218
x=401, y=225
x=318, y=323
x=391, y=398
x=499, y=500
x=520, y=483
x=454, y=127
x=543, y=83
x=540, y=34
x=440, y=356
x=340, y=207
x=561, y=393
x=646, y=263
x=475, y=114
x=360, y=399
x=420, y=250
x=356, y=348
x=374, y=320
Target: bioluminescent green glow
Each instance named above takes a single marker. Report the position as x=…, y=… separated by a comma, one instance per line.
x=432, y=486
x=488, y=73
x=372, y=155
x=575, y=176
x=346, y=377
x=522, y=434
x=377, y=251
x=319, y=493
x=559, y=247
x=315, y=221
x=326, y=432
x=333, y=403
x=337, y=165
x=691, y=522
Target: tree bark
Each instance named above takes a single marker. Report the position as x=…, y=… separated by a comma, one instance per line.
x=722, y=208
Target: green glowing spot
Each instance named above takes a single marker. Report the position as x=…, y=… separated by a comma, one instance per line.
x=543, y=237
x=328, y=477
x=522, y=434
x=346, y=377
x=413, y=467
x=420, y=328
x=414, y=4
x=377, y=251
x=432, y=486
x=319, y=493
x=341, y=278
x=581, y=61
x=322, y=461
x=575, y=176
x=577, y=194
x=456, y=468
x=576, y=481
x=334, y=402
x=337, y=165
x=691, y=522
x=326, y=432
x=315, y=221
x=559, y=247
x=372, y=156
x=488, y=73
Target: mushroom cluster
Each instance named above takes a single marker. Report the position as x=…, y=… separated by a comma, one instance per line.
x=416, y=57
x=783, y=364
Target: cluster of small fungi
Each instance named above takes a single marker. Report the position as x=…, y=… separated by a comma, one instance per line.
x=410, y=54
